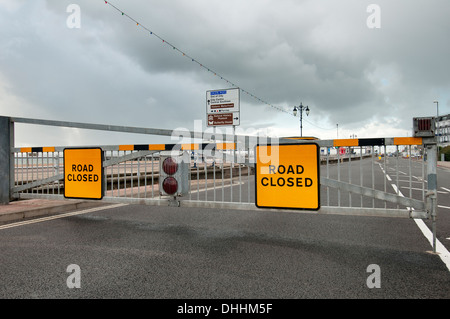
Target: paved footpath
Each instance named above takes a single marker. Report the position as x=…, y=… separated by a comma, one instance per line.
x=443, y=164
x=31, y=208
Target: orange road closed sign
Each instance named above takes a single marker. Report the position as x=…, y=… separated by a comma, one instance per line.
x=83, y=173
x=288, y=176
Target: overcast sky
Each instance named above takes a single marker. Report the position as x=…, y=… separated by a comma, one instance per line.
x=327, y=54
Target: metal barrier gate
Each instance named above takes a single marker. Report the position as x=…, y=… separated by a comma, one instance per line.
x=393, y=177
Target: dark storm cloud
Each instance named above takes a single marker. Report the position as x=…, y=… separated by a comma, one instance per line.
x=320, y=53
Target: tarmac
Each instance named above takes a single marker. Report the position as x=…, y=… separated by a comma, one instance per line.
x=21, y=210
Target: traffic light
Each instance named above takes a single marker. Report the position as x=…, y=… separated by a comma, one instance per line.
x=174, y=169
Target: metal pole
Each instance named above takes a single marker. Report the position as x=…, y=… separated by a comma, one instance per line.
x=12, y=177
x=437, y=108
x=432, y=188
x=301, y=120
x=437, y=128
x=6, y=164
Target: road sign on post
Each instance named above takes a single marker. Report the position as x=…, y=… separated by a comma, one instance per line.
x=288, y=176
x=83, y=173
x=222, y=107
x=223, y=119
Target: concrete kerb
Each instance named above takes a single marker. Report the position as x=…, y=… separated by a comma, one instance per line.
x=443, y=164
x=32, y=208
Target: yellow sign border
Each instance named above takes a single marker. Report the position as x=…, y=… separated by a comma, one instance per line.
x=317, y=153
x=101, y=174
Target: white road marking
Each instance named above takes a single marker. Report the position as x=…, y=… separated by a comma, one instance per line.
x=420, y=189
x=217, y=187
x=440, y=248
x=43, y=219
x=397, y=191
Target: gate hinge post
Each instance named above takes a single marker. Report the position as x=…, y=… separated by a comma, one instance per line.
x=6, y=159
x=431, y=196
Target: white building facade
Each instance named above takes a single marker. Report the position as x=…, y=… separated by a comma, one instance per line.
x=443, y=130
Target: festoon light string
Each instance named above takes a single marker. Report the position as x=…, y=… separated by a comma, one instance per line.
x=164, y=41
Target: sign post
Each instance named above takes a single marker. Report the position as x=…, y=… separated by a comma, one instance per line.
x=83, y=173
x=222, y=107
x=288, y=176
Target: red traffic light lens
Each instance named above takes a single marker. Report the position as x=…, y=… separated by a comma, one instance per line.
x=170, y=185
x=170, y=166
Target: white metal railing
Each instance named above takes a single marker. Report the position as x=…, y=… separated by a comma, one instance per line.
x=355, y=181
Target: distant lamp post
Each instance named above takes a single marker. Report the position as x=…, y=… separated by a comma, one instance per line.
x=437, y=114
x=437, y=126
x=301, y=108
x=353, y=136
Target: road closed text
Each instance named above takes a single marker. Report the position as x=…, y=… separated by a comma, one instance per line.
x=82, y=173
x=289, y=177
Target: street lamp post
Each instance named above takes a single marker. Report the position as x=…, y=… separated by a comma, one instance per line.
x=437, y=126
x=437, y=114
x=351, y=148
x=301, y=108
